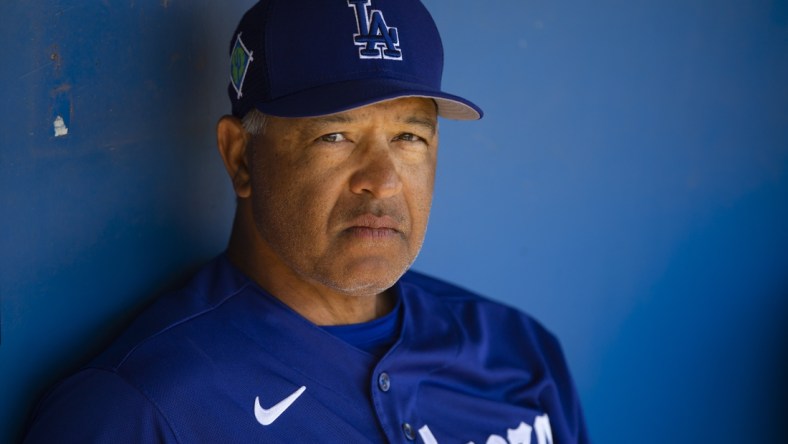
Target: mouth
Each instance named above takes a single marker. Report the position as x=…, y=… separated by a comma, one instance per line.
x=374, y=227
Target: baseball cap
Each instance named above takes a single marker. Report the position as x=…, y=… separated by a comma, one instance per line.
x=302, y=58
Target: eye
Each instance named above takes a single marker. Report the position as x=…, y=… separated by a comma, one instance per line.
x=409, y=137
x=332, y=138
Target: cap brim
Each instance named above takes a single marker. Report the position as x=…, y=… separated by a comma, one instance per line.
x=343, y=96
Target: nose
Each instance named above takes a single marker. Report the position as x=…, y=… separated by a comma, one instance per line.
x=377, y=173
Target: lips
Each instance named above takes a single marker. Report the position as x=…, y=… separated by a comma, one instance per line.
x=374, y=227
x=375, y=222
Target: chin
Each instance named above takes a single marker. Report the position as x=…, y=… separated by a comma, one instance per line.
x=368, y=283
x=362, y=276
x=362, y=288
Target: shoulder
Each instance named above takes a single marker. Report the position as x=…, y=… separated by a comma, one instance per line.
x=146, y=382
x=473, y=311
x=97, y=406
x=499, y=351
x=210, y=288
x=481, y=328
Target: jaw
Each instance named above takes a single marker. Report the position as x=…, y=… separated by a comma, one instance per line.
x=355, y=291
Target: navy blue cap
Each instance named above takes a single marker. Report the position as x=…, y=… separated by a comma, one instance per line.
x=302, y=58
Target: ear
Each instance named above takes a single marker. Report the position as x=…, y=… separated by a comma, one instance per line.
x=233, y=142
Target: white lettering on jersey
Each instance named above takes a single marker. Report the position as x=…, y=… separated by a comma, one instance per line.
x=495, y=439
x=520, y=435
x=544, y=433
x=426, y=435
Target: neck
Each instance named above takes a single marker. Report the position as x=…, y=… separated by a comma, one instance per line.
x=314, y=301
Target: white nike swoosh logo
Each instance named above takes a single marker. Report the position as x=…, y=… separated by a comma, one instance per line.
x=268, y=416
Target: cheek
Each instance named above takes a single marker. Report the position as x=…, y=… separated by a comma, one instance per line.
x=421, y=184
x=296, y=203
x=274, y=195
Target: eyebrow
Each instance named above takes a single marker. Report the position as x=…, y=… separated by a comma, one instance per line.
x=321, y=121
x=429, y=124
x=332, y=118
x=316, y=124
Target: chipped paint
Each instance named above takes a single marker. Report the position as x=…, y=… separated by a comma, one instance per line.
x=60, y=127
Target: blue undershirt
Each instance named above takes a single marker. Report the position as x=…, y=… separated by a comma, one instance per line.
x=374, y=337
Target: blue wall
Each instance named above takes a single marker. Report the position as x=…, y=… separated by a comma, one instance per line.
x=628, y=187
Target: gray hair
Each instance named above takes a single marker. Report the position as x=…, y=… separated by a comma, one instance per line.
x=254, y=122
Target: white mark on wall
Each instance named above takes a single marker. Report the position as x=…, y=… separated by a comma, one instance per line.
x=60, y=127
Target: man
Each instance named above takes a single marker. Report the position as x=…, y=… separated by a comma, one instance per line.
x=308, y=328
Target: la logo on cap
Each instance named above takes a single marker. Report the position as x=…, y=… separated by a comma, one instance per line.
x=375, y=39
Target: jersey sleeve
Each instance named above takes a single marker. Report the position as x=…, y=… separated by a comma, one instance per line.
x=97, y=406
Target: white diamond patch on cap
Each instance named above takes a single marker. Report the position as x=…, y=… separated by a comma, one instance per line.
x=240, y=59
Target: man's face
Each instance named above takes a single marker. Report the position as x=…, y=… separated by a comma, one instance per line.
x=343, y=200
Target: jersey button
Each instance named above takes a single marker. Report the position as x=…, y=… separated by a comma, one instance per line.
x=407, y=429
x=384, y=382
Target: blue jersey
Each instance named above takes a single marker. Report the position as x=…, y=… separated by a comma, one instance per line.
x=224, y=361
